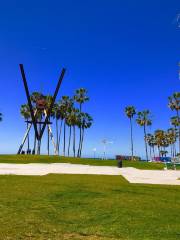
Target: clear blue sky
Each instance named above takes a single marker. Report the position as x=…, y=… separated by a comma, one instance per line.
x=123, y=52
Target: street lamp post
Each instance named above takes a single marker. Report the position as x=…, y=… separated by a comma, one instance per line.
x=94, y=151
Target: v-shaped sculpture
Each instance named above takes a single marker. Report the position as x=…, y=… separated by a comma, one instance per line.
x=34, y=122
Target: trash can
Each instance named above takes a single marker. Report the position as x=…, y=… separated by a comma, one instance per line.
x=119, y=163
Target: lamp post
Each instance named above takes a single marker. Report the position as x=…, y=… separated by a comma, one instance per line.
x=94, y=151
x=105, y=142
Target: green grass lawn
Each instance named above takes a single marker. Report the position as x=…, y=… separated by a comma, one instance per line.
x=56, y=159
x=87, y=207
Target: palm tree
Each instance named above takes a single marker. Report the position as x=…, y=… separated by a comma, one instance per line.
x=49, y=99
x=58, y=117
x=172, y=136
x=159, y=135
x=162, y=141
x=153, y=144
x=25, y=113
x=174, y=104
x=165, y=143
x=86, y=122
x=144, y=120
x=175, y=122
x=67, y=104
x=150, y=138
x=163, y=153
x=61, y=116
x=130, y=112
x=74, y=122
x=69, y=124
x=81, y=97
x=35, y=96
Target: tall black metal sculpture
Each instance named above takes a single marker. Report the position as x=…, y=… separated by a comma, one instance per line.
x=34, y=121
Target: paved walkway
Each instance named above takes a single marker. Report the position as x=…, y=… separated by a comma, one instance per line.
x=61, y=168
x=165, y=177
x=133, y=175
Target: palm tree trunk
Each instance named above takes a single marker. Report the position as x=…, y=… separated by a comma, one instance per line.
x=74, y=140
x=80, y=134
x=64, y=148
x=39, y=141
x=82, y=141
x=171, y=147
x=145, y=143
x=150, y=152
x=172, y=150
x=132, y=145
x=60, y=131
x=159, y=151
x=175, y=152
x=70, y=128
x=154, y=152
x=178, y=128
x=57, y=136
